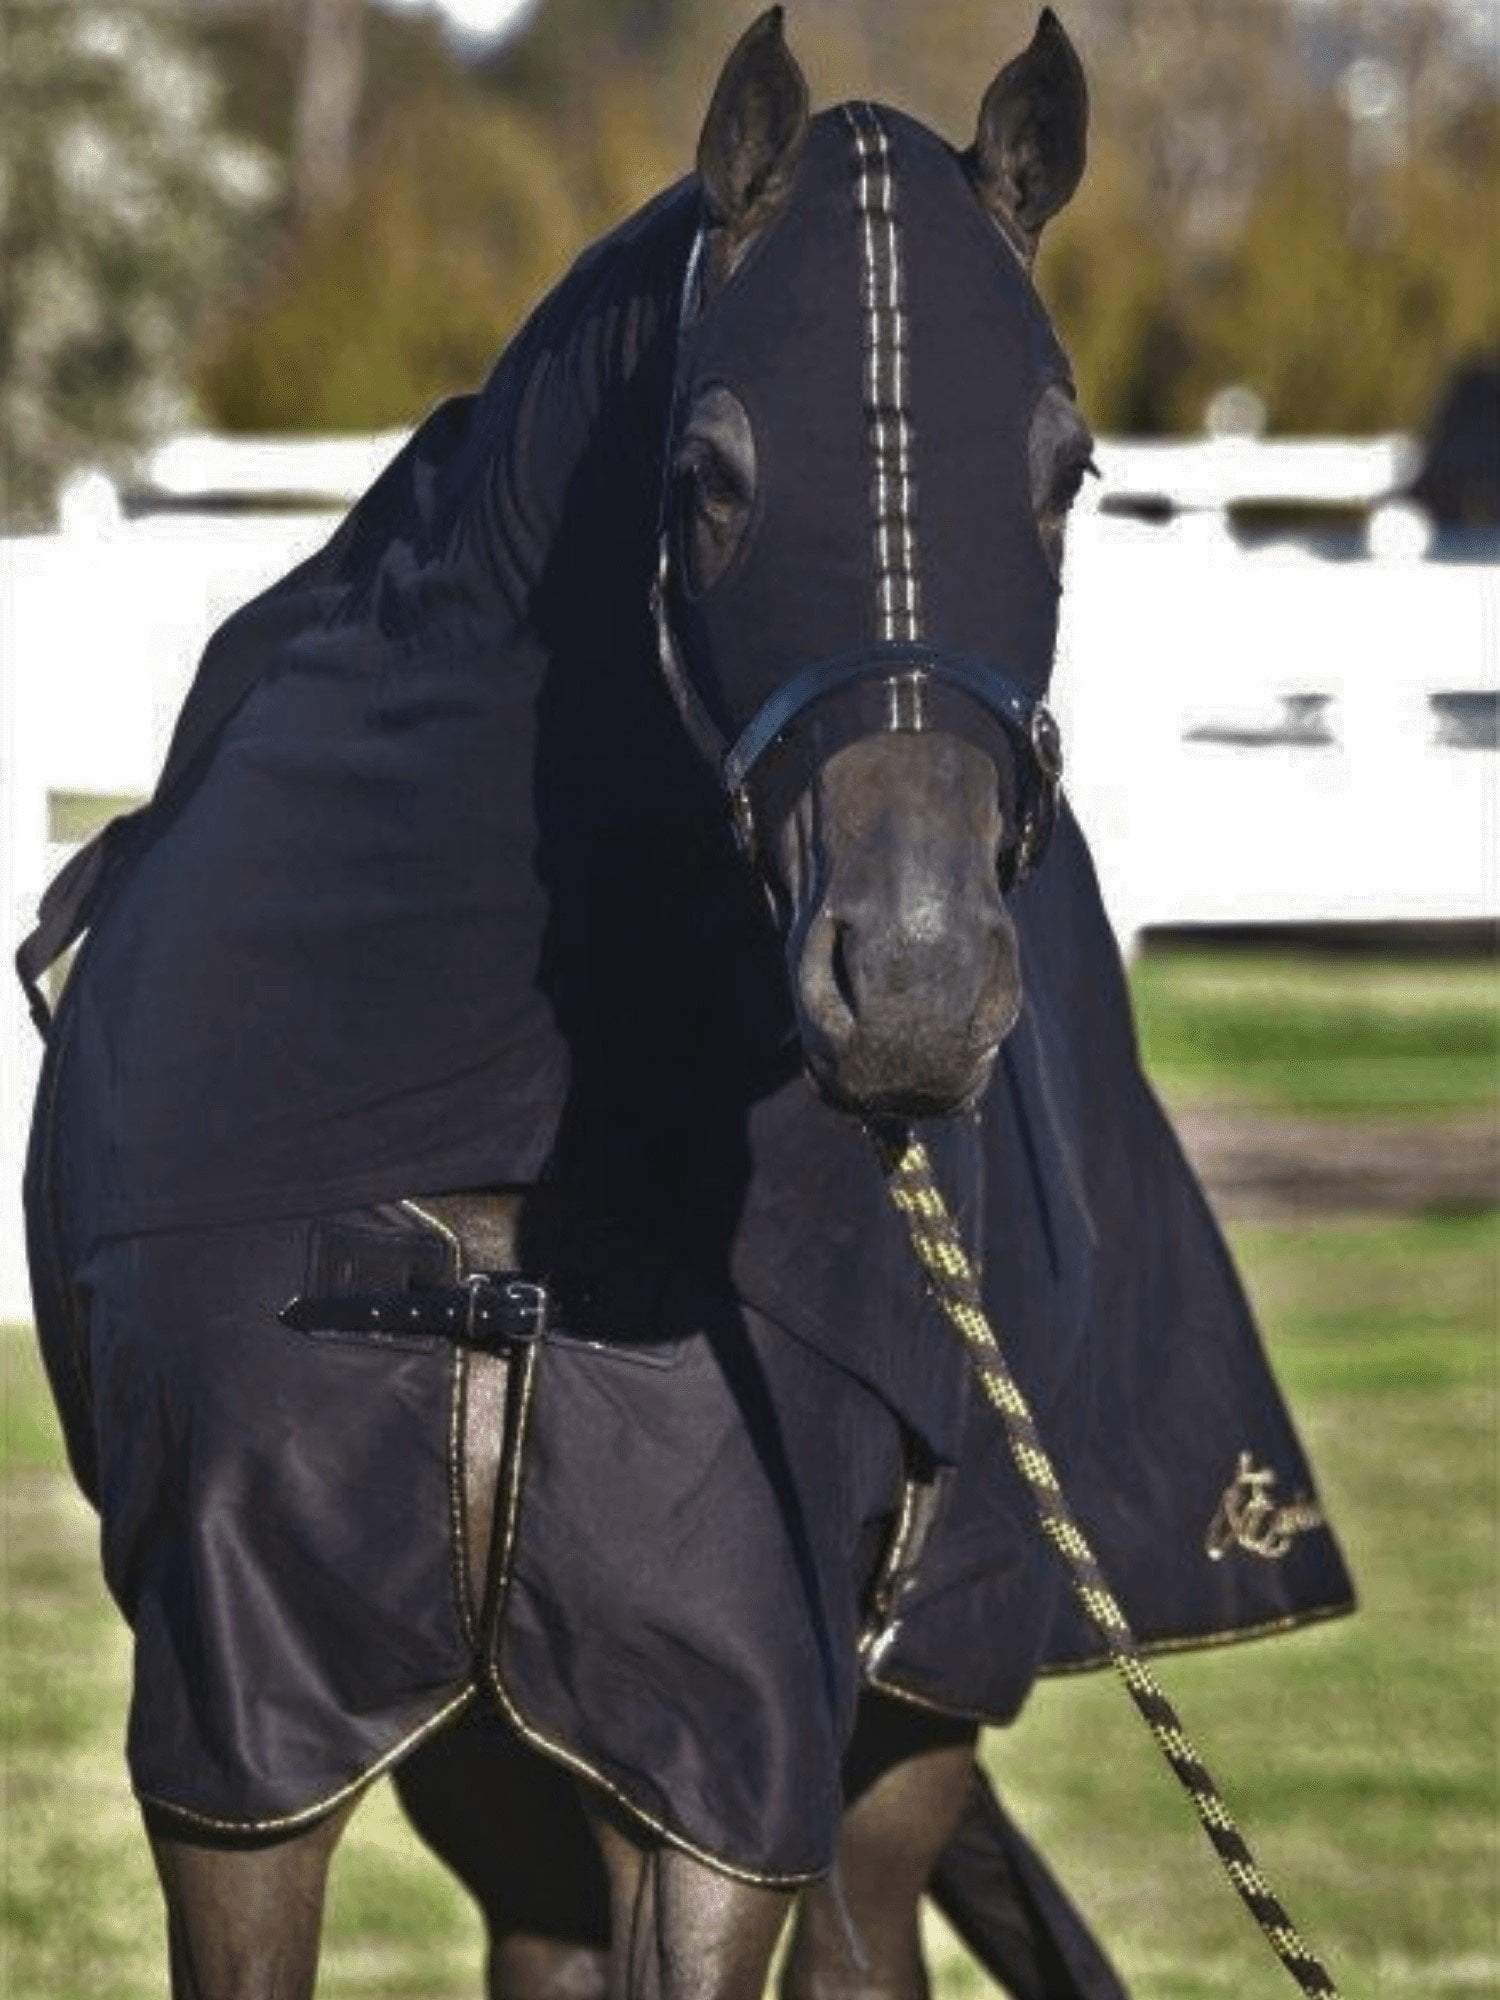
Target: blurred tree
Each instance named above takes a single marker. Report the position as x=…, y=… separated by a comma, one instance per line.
x=328, y=92
x=1258, y=209
x=1300, y=201
x=121, y=200
x=457, y=222
x=1336, y=329
x=258, y=49
x=1107, y=273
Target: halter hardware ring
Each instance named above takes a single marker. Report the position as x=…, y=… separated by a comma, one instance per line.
x=743, y=816
x=1046, y=743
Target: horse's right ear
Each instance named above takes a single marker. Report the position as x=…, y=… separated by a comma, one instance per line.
x=752, y=137
x=1028, y=153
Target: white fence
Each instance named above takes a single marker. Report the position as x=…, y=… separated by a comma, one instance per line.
x=1271, y=738
x=1253, y=736
x=100, y=631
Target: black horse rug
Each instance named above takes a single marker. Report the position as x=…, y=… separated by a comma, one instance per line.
x=435, y=894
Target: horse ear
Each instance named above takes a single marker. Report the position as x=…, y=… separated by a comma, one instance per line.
x=752, y=137
x=1028, y=153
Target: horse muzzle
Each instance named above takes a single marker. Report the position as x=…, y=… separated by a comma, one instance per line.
x=902, y=1020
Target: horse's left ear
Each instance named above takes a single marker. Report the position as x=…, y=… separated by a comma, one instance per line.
x=752, y=137
x=1028, y=153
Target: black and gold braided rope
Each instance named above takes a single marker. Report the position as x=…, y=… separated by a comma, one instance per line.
x=940, y=1251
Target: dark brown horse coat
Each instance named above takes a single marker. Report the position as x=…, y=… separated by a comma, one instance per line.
x=449, y=901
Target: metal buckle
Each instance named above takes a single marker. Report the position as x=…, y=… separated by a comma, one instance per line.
x=1046, y=743
x=528, y=1292
x=522, y=1293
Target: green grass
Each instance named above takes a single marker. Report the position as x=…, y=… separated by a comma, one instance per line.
x=73, y=817
x=1323, y=1034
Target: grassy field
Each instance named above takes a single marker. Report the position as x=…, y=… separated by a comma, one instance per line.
x=1363, y=1755
x=1341, y=1036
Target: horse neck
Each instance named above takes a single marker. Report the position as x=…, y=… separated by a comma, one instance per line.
x=581, y=501
x=584, y=393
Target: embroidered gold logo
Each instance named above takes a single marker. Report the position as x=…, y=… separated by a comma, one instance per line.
x=1250, y=1516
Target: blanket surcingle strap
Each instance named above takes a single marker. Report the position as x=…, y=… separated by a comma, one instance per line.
x=940, y=1251
x=490, y=1309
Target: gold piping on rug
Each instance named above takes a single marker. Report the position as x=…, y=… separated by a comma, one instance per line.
x=559, y=1752
x=305, y=1815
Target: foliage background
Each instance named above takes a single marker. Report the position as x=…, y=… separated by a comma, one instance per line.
x=1300, y=196
x=124, y=204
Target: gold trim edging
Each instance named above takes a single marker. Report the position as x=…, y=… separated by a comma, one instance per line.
x=1186, y=1643
x=1233, y=1635
x=458, y=1513
x=305, y=1815
x=559, y=1752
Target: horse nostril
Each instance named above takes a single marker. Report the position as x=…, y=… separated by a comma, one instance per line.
x=839, y=966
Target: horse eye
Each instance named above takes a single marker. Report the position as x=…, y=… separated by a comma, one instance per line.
x=715, y=489
x=1059, y=453
x=714, y=477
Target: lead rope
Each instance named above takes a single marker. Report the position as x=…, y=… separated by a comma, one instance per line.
x=940, y=1251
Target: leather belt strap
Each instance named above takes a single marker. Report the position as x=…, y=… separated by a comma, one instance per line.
x=490, y=1309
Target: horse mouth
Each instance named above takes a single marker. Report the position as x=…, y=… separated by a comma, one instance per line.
x=883, y=1100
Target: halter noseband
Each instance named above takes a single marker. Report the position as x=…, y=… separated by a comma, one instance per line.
x=884, y=687
x=899, y=687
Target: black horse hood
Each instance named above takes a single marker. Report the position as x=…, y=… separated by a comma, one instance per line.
x=889, y=351
x=451, y=899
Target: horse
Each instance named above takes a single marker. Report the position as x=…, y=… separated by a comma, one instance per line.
x=460, y=1259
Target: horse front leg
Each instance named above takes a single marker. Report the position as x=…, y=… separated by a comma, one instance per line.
x=244, y=1917
x=858, y=1937
x=681, y=1931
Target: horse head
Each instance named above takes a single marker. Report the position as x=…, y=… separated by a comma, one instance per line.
x=874, y=445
